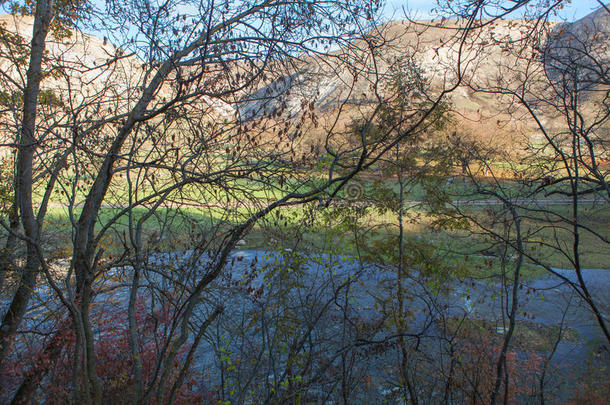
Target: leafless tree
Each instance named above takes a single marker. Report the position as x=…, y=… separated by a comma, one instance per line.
x=559, y=82
x=185, y=117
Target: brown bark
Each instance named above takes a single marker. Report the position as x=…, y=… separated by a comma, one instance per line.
x=45, y=361
x=501, y=364
x=7, y=265
x=24, y=179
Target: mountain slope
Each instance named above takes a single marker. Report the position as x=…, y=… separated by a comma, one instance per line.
x=489, y=58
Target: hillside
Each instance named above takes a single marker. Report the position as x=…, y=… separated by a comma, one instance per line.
x=81, y=55
x=327, y=81
x=498, y=55
x=582, y=49
x=82, y=66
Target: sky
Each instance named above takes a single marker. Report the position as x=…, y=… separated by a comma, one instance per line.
x=393, y=10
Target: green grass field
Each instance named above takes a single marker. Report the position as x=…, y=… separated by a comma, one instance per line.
x=351, y=231
x=468, y=248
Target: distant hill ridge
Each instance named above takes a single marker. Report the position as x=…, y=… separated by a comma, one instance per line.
x=428, y=41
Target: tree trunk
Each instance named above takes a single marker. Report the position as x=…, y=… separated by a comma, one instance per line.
x=46, y=360
x=501, y=366
x=24, y=178
x=7, y=265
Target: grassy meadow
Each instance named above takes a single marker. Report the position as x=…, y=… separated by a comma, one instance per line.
x=351, y=227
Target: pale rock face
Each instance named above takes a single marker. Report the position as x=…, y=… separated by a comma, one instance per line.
x=485, y=61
